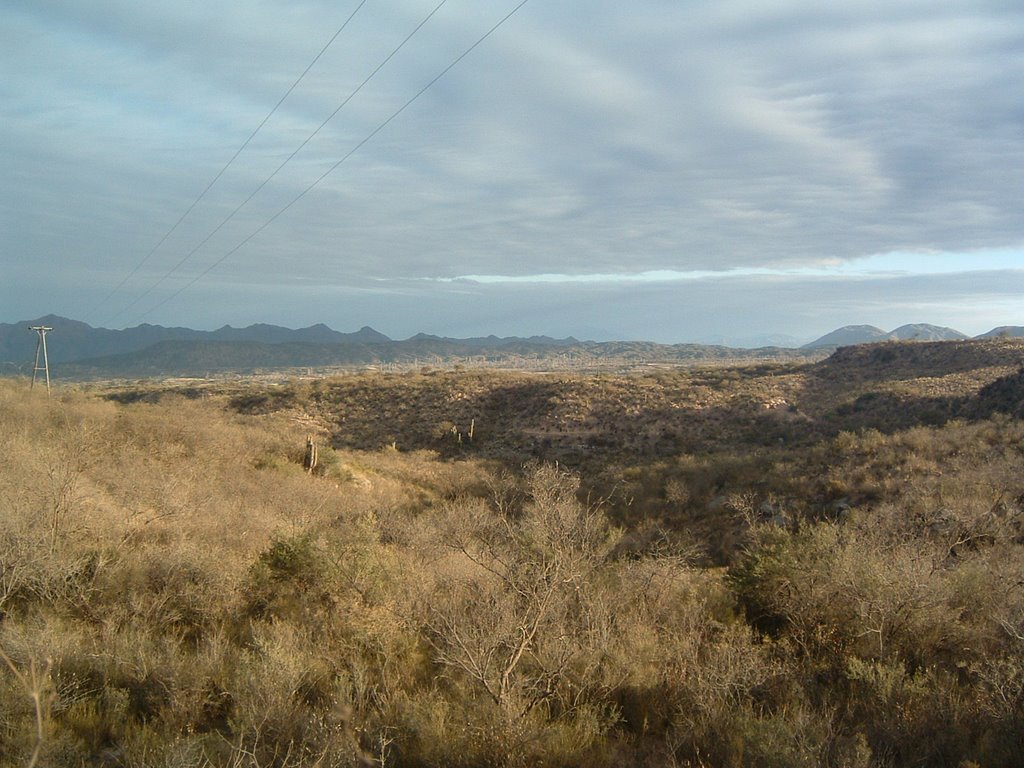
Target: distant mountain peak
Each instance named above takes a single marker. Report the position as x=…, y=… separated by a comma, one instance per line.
x=57, y=320
x=1007, y=331
x=850, y=334
x=868, y=334
x=926, y=332
x=367, y=335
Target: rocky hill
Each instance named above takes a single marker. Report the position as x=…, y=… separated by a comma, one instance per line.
x=926, y=332
x=1005, y=331
x=849, y=334
x=869, y=334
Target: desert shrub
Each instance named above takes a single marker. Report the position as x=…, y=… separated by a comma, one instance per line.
x=288, y=580
x=435, y=728
x=889, y=613
x=832, y=589
x=180, y=596
x=530, y=572
x=287, y=699
x=545, y=624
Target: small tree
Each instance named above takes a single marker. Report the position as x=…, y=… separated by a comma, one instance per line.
x=510, y=626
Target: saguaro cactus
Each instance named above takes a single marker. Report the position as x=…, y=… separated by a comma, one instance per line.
x=311, y=459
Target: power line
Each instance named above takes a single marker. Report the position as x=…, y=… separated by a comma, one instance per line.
x=234, y=157
x=288, y=159
x=334, y=167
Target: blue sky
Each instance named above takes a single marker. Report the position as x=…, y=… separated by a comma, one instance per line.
x=673, y=171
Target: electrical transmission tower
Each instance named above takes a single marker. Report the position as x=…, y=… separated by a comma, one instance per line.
x=41, y=345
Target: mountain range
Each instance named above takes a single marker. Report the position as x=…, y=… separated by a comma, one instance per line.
x=74, y=340
x=84, y=351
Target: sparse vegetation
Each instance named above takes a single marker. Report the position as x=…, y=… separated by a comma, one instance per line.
x=779, y=565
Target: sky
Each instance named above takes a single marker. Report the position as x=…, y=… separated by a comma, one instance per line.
x=668, y=170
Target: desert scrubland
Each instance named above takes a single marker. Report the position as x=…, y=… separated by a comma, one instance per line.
x=782, y=564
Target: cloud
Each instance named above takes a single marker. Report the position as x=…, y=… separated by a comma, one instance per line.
x=619, y=139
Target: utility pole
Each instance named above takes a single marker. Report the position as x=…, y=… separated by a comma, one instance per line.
x=41, y=345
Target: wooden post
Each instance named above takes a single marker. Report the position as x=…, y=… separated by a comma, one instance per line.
x=311, y=459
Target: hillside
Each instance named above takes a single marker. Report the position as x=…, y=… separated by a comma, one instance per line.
x=660, y=411
x=783, y=563
x=593, y=424
x=1004, y=331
